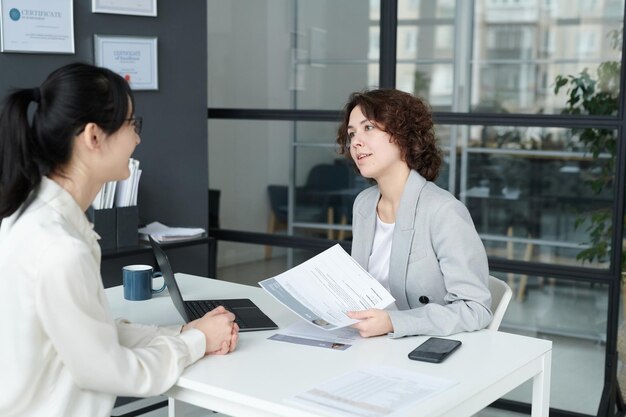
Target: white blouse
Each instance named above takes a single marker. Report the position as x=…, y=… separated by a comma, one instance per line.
x=61, y=353
x=381, y=252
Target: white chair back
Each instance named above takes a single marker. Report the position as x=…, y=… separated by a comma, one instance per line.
x=501, y=294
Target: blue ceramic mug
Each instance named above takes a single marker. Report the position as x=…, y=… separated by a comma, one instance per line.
x=138, y=282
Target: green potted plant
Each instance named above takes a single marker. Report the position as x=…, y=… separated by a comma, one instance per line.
x=598, y=94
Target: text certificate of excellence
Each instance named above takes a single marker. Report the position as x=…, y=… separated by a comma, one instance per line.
x=45, y=26
x=134, y=58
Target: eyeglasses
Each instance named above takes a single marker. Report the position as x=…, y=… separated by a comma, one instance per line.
x=136, y=122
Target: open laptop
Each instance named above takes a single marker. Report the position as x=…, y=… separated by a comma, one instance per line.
x=248, y=316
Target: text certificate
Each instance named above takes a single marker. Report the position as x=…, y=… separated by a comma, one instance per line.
x=37, y=26
x=134, y=58
x=323, y=288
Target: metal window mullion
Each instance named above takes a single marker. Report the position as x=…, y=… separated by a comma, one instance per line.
x=610, y=376
x=530, y=152
x=425, y=61
x=426, y=22
x=330, y=61
x=315, y=145
x=388, y=39
x=462, y=85
x=524, y=120
x=440, y=117
x=291, y=186
x=539, y=61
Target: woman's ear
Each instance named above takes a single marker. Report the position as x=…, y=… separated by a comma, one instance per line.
x=92, y=136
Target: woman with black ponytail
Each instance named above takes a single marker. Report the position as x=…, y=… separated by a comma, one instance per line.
x=61, y=352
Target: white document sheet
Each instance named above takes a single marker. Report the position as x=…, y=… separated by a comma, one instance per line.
x=323, y=288
x=303, y=333
x=303, y=329
x=372, y=392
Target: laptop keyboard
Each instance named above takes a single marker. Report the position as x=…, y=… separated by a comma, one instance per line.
x=200, y=307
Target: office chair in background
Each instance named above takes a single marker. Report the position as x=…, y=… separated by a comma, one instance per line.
x=501, y=295
x=314, y=201
x=278, y=195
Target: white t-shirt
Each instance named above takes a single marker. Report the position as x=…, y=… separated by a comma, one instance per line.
x=381, y=252
x=62, y=354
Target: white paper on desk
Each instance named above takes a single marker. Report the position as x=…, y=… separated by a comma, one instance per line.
x=372, y=392
x=323, y=288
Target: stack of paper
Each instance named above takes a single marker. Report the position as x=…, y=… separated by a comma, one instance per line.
x=123, y=193
x=104, y=198
x=126, y=194
x=162, y=233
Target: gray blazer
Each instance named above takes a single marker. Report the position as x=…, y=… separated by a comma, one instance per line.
x=438, y=271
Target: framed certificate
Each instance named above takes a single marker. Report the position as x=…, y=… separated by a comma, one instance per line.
x=132, y=57
x=132, y=7
x=37, y=26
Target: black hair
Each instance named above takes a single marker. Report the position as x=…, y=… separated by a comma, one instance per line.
x=68, y=99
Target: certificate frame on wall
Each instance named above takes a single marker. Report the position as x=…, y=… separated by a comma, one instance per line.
x=133, y=57
x=37, y=26
x=134, y=7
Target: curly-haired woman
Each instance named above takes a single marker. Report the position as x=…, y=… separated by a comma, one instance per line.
x=412, y=236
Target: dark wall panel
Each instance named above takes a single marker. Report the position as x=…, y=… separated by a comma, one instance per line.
x=173, y=151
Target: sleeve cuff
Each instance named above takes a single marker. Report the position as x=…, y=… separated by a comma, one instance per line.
x=400, y=326
x=196, y=342
x=171, y=330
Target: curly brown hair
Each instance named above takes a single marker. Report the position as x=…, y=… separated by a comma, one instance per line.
x=407, y=119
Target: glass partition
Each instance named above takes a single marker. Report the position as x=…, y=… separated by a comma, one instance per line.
x=537, y=194
x=434, y=82
x=286, y=54
x=326, y=186
x=250, y=273
x=337, y=47
x=250, y=54
x=573, y=315
x=425, y=49
x=521, y=47
x=243, y=170
x=540, y=194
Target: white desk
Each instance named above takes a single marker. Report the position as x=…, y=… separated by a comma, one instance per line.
x=254, y=380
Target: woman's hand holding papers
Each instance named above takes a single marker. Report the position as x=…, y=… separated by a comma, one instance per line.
x=374, y=322
x=220, y=330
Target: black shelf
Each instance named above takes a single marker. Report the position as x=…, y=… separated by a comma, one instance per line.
x=144, y=247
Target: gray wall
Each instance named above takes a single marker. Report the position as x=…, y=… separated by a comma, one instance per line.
x=173, y=152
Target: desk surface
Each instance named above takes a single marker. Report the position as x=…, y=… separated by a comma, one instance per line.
x=256, y=378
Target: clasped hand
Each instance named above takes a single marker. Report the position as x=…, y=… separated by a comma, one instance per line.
x=374, y=322
x=220, y=330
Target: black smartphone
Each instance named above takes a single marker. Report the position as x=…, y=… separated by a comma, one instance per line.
x=435, y=350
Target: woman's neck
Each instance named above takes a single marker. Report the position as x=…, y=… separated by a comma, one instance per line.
x=391, y=188
x=78, y=185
